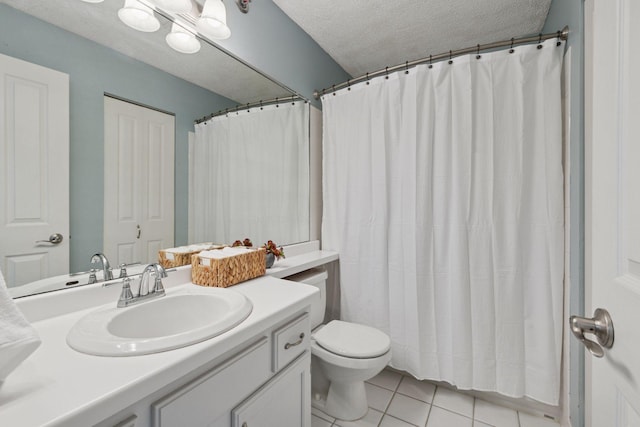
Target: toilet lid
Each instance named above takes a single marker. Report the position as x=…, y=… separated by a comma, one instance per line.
x=352, y=340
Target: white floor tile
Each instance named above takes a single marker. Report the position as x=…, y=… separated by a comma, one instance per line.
x=442, y=418
x=319, y=422
x=318, y=413
x=409, y=409
x=389, y=421
x=527, y=420
x=454, y=401
x=495, y=415
x=386, y=379
x=378, y=397
x=372, y=419
x=421, y=390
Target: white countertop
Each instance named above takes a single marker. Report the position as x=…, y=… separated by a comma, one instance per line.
x=295, y=264
x=60, y=386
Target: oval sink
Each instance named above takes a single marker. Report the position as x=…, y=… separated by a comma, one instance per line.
x=173, y=321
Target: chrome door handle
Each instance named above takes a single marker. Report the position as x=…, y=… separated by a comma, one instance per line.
x=599, y=325
x=55, y=238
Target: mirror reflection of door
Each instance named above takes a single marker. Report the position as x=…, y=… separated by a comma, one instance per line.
x=34, y=171
x=138, y=182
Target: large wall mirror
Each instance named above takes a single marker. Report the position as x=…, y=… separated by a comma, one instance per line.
x=103, y=58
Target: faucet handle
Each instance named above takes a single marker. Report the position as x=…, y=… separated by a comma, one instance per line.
x=126, y=296
x=158, y=288
x=92, y=276
x=123, y=271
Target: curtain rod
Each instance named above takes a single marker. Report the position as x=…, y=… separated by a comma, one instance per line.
x=249, y=105
x=561, y=35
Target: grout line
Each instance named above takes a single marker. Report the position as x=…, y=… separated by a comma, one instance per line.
x=431, y=406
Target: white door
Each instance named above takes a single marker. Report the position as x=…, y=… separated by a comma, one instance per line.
x=612, y=107
x=138, y=182
x=34, y=171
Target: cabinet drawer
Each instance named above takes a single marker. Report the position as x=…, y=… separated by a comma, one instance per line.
x=290, y=340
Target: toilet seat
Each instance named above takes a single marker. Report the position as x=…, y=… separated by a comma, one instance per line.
x=352, y=340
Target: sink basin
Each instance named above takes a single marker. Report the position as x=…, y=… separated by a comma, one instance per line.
x=176, y=320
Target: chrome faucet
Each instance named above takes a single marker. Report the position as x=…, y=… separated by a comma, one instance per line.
x=127, y=298
x=107, y=274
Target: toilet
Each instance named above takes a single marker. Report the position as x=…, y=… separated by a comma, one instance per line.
x=343, y=356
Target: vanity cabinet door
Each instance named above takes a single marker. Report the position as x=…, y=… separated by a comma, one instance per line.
x=207, y=400
x=285, y=401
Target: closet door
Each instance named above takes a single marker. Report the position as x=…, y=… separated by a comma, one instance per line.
x=34, y=171
x=138, y=182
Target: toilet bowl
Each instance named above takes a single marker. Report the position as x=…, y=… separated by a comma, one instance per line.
x=344, y=356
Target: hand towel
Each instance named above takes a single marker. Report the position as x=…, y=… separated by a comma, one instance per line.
x=18, y=339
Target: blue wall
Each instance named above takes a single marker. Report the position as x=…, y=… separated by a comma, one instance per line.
x=93, y=71
x=571, y=13
x=270, y=41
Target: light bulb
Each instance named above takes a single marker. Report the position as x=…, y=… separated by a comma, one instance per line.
x=138, y=16
x=181, y=40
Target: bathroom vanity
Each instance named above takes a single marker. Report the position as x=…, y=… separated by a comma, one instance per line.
x=257, y=373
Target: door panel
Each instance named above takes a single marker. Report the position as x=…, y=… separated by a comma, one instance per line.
x=612, y=253
x=139, y=182
x=34, y=170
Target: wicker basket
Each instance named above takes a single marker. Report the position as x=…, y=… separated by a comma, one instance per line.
x=180, y=258
x=228, y=271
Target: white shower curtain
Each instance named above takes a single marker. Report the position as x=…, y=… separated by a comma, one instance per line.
x=249, y=176
x=443, y=193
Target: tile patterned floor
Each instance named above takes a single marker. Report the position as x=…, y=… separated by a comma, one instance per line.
x=397, y=400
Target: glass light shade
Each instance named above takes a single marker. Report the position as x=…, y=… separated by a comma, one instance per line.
x=213, y=21
x=181, y=40
x=175, y=6
x=138, y=16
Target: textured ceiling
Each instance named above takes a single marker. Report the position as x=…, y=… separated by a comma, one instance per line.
x=210, y=68
x=367, y=35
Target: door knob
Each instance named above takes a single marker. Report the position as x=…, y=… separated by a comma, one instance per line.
x=55, y=238
x=599, y=325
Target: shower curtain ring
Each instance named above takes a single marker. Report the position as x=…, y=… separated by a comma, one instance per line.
x=559, y=43
x=430, y=64
x=511, y=49
x=540, y=41
x=478, y=56
x=386, y=73
x=349, y=84
x=367, y=78
x=450, y=60
x=406, y=67
x=277, y=104
x=261, y=104
x=334, y=90
x=248, y=109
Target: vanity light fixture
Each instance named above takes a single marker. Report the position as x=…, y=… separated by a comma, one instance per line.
x=213, y=20
x=138, y=16
x=182, y=40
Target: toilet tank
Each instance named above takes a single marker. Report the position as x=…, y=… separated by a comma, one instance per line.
x=314, y=277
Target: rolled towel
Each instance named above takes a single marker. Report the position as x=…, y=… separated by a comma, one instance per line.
x=18, y=339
